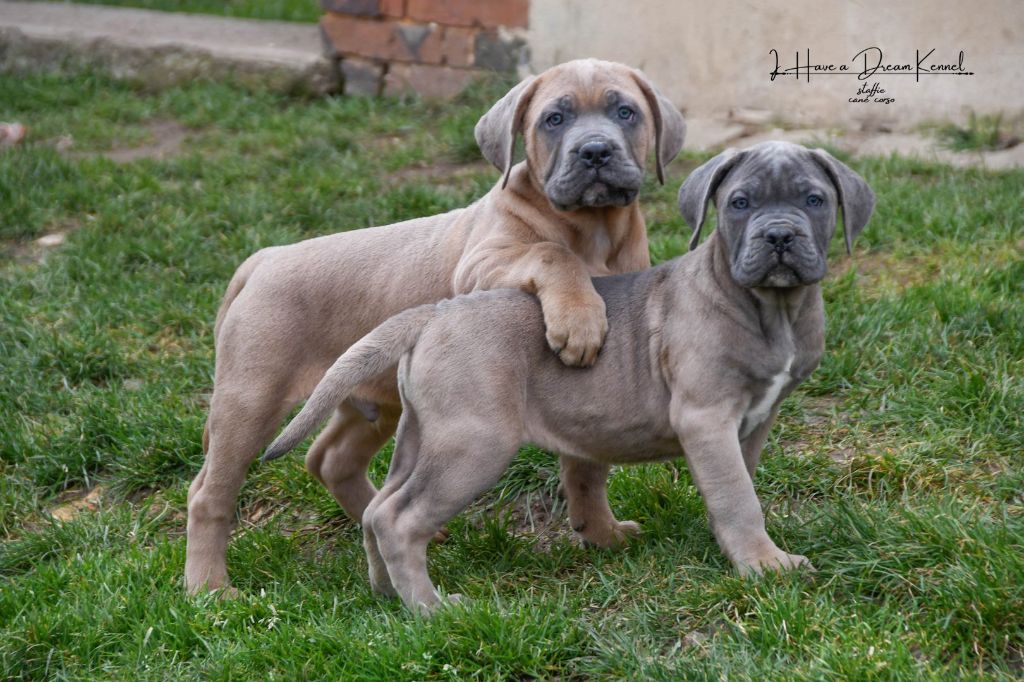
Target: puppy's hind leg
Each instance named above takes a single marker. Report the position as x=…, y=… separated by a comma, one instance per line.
x=448, y=474
x=403, y=461
x=341, y=454
x=240, y=425
x=585, y=485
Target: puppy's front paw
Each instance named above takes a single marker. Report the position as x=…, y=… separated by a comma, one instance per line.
x=776, y=561
x=227, y=593
x=576, y=329
x=428, y=608
x=222, y=589
x=455, y=598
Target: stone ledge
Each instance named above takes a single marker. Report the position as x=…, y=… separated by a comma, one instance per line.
x=158, y=49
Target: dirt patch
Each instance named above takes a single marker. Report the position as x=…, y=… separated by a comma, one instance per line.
x=167, y=139
x=819, y=428
x=383, y=142
x=36, y=250
x=843, y=456
x=442, y=174
x=536, y=513
x=697, y=642
x=260, y=512
x=74, y=503
x=888, y=273
x=820, y=409
x=892, y=272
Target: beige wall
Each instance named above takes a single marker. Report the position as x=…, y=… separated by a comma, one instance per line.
x=712, y=56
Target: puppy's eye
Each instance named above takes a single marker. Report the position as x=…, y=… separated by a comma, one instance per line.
x=815, y=200
x=554, y=120
x=626, y=113
x=739, y=203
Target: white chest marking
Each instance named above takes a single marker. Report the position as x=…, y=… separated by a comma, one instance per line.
x=759, y=411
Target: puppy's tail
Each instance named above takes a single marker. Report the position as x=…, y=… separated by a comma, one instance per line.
x=369, y=357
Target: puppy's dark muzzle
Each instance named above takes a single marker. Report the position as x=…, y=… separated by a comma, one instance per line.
x=595, y=154
x=596, y=171
x=780, y=238
x=780, y=252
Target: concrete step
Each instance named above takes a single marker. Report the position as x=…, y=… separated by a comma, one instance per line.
x=159, y=49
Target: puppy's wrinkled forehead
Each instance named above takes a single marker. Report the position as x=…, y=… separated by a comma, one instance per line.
x=587, y=85
x=778, y=169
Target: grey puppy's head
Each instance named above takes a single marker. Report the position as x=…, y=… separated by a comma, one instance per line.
x=588, y=126
x=777, y=204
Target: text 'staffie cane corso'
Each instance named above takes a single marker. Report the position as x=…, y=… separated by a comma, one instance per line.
x=565, y=214
x=700, y=352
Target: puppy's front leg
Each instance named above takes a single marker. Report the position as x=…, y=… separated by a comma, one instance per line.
x=574, y=313
x=753, y=444
x=711, y=444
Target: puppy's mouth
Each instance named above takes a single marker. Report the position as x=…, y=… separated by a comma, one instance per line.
x=781, y=276
x=777, y=271
x=594, y=189
x=603, y=194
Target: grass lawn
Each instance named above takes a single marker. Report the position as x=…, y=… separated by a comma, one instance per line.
x=897, y=468
x=283, y=10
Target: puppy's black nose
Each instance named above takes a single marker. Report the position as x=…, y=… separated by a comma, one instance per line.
x=596, y=154
x=779, y=238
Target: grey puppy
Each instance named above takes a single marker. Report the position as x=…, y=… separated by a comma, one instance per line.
x=699, y=354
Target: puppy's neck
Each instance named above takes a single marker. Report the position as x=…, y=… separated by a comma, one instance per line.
x=601, y=236
x=784, y=307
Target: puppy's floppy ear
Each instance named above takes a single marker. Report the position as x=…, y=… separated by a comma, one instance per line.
x=701, y=185
x=669, y=125
x=496, y=130
x=855, y=196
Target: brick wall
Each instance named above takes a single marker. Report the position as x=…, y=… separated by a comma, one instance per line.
x=430, y=47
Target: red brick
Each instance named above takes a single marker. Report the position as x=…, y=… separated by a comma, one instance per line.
x=430, y=82
x=449, y=45
x=458, y=46
x=486, y=13
x=421, y=42
x=392, y=8
x=364, y=37
x=384, y=40
x=431, y=49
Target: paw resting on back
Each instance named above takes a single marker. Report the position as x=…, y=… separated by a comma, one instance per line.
x=576, y=330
